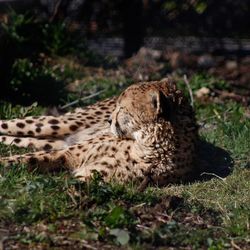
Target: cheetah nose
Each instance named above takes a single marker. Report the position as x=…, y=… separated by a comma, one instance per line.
x=109, y=120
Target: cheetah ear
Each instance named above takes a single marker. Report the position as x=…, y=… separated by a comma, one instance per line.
x=161, y=103
x=155, y=99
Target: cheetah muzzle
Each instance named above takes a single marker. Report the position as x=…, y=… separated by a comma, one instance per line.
x=152, y=134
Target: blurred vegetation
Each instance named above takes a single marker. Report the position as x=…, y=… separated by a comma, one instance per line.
x=27, y=46
x=29, y=40
x=203, y=17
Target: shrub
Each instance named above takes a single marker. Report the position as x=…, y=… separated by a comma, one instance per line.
x=25, y=76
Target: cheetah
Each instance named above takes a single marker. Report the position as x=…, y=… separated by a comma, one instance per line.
x=147, y=133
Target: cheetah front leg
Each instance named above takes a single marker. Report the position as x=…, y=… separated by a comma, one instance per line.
x=111, y=157
x=111, y=169
x=69, y=158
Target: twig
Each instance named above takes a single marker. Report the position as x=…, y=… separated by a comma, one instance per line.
x=235, y=246
x=223, y=211
x=217, y=114
x=229, y=95
x=143, y=227
x=215, y=175
x=72, y=197
x=140, y=205
x=3, y=236
x=55, y=10
x=82, y=99
x=88, y=246
x=189, y=89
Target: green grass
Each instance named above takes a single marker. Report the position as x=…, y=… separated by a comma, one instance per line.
x=52, y=211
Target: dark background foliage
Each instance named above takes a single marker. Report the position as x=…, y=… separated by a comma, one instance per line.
x=33, y=30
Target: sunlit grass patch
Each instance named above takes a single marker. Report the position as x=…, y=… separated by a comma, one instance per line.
x=40, y=210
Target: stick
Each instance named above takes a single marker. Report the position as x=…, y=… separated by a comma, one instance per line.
x=235, y=246
x=82, y=99
x=215, y=175
x=55, y=11
x=189, y=89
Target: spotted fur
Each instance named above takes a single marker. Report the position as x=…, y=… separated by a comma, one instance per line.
x=151, y=136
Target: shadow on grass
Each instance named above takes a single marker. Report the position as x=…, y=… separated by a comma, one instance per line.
x=213, y=161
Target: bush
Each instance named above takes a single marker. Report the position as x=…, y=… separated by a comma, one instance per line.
x=26, y=76
x=33, y=81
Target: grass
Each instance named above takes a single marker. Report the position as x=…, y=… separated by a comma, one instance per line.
x=55, y=211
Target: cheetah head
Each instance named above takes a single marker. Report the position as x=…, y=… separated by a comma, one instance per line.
x=141, y=105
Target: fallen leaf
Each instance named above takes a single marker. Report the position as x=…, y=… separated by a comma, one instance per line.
x=122, y=236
